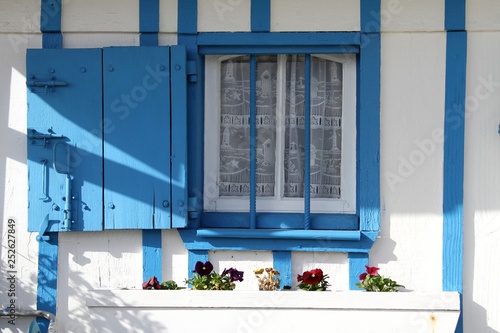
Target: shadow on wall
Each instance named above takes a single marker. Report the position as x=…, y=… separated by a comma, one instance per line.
x=92, y=261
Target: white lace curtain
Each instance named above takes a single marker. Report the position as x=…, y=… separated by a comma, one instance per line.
x=288, y=102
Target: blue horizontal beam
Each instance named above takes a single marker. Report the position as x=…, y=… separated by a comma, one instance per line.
x=278, y=38
x=285, y=49
x=281, y=221
x=345, y=235
x=194, y=242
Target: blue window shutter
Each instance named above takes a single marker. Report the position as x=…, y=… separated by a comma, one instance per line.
x=137, y=137
x=179, y=137
x=64, y=139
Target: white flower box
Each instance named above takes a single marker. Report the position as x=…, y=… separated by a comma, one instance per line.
x=182, y=311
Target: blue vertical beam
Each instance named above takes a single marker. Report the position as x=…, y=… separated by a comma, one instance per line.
x=454, y=15
x=149, y=22
x=253, y=141
x=50, y=26
x=307, y=143
x=151, y=254
x=357, y=262
x=50, y=23
x=282, y=262
x=260, y=16
x=370, y=16
x=187, y=28
x=453, y=164
x=179, y=138
x=47, y=278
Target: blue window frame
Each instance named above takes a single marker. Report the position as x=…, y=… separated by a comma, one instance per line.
x=254, y=230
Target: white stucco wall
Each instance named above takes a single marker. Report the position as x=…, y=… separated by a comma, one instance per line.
x=412, y=102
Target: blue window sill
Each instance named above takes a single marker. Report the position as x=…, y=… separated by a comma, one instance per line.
x=340, y=235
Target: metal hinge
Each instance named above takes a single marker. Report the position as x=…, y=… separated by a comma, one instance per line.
x=193, y=208
x=192, y=71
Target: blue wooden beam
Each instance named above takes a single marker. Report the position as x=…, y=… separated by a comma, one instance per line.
x=454, y=15
x=260, y=15
x=282, y=262
x=149, y=22
x=357, y=262
x=47, y=278
x=50, y=23
x=151, y=254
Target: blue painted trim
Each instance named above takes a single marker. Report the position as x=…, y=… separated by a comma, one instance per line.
x=286, y=49
x=187, y=17
x=50, y=24
x=50, y=16
x=187, y=28
x=344, y=235
x=456, y=53
x=149, y=22
x=179, y=137
x=454, y=15
x=357, y=262
x=194, y=242
x=370, y=16
x=278, y=38
x=453, y=165
x=151, y=254
x=149, y=16
x=281, y=220
x=47, y=278
x=282, y=262
x=307, y=142
x=193, y=257
x=260, y=19
x=253, y=141
x=52, y=40
x=368, y=134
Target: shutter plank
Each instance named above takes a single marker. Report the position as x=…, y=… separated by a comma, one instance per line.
x=65, y=109
x=137, y=142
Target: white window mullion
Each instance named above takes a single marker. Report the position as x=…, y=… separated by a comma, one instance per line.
x=280, y=126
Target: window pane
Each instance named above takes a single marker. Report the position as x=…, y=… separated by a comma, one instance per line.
x=326, y=127
x=234, y=164
x=294, y=127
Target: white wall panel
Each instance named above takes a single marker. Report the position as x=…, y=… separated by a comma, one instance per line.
x=20, y=16
x=224, y=15
x=317, y=15
x=103, y=260
x=411, y=158
x=168, y=15
x=483, y=15
x=409, y=15
x=482, y=183
x=100, y=16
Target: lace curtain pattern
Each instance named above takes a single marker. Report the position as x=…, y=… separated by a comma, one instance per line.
x=326, y=126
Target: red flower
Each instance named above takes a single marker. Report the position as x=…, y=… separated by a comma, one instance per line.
x=299, y=277
x=312, y=277
x=372, y=270
x=152, y=283
x=362, y=277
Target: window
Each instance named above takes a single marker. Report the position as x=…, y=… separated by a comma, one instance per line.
x=274, y=98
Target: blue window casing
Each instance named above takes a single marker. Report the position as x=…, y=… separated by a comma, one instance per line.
x=288, y=232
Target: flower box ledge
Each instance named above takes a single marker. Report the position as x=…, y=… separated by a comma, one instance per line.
x=274, y=311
